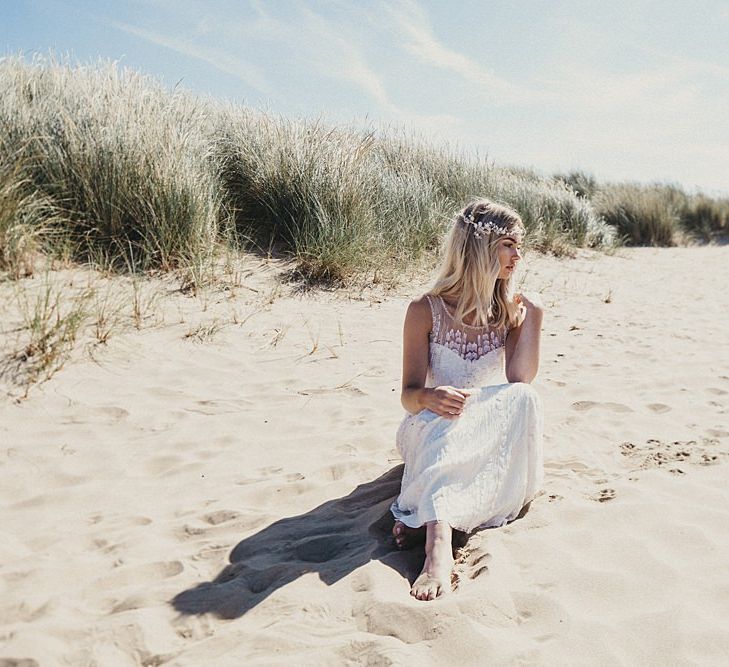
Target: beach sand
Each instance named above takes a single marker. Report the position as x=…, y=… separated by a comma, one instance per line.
x=213, y=488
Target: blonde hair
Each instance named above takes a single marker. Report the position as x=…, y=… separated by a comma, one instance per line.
x=470, y=267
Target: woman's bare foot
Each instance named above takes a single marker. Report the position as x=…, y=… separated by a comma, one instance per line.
x=406, y=537
x=435, y=579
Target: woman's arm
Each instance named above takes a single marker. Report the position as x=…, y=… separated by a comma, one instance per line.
x=522, y=344
x=415, y=354
x=445, y=401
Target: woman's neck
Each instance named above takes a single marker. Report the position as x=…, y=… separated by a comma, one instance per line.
x=451, y=304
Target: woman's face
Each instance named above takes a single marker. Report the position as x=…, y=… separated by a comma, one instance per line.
x=509, y=253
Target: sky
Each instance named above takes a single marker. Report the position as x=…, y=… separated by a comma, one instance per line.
x=624, y=90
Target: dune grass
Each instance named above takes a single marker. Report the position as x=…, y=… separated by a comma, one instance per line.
x=53, y=324
x=122, y=162
x=25, y=216
x=657, y=215
x=103, y=165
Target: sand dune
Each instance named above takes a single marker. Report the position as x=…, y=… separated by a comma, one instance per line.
x=213, y=489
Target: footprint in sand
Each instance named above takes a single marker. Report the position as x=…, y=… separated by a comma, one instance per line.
x=220, y=516
x=18, y=662
x=617, y=407
x=604, y=495
x=212, y=552
x=345, y=388
x=162, y=464
x=471, y=563
x=337, y=471
x=523, y=616
x=98, y=415
x=478, y=563
x=361, y=582
x=141, y=574
x=659, y=407
x=219, y=407
x=716, y=391
x=129, y=604
x=540, y=615
x=402, y=620
x=359, y=652
x=583, y=406
x=188, y=531
x=658, y=454
x=139, y=520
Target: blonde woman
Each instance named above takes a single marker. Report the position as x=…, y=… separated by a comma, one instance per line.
x=472, y=438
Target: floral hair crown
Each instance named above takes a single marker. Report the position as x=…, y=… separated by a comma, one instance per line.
x=481, y=228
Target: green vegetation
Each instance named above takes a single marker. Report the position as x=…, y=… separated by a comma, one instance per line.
x=658, y=214
x=103, y=165
x=53, y=324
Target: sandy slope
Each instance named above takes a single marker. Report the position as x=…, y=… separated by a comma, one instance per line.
x=224, y=502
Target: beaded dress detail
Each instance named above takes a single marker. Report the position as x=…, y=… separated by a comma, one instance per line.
x=481, y=468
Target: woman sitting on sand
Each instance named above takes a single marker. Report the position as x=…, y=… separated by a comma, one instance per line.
x=472, y=438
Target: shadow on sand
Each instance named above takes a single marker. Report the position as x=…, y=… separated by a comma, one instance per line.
x=332, y=540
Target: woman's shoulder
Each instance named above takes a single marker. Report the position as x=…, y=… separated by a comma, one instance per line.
x=424, y=300
x=420, y=309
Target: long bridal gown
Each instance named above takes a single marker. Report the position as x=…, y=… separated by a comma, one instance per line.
x=479, y=469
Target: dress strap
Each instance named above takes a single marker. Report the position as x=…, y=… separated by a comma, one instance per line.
x=436, y=316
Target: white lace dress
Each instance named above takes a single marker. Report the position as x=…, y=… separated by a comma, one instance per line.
x=479, y=469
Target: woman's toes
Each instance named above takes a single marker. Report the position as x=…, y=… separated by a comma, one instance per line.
x=406, y=537
x=399, y=532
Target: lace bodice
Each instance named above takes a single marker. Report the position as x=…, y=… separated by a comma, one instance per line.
x=463, y=356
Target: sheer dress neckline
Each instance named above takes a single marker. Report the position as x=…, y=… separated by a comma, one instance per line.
x=469, y=342
x=452, y=317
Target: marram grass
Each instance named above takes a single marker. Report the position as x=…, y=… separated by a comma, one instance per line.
x=656, y=215
x=103, y=165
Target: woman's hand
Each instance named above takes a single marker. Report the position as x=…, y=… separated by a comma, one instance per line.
x=532, y=303
x=446, y=401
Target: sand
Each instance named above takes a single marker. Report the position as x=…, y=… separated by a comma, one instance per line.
x=212, y=489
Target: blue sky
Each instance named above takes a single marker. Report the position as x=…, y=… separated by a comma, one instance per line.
x=625, y=90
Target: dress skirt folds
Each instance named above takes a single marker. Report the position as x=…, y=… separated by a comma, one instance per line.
x=479, y=469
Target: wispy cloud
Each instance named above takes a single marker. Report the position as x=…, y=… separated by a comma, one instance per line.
x=414, y=27
x=590, y=96
x=217, y=57
x=579, y=88
x=328, y=47
x=335, y=49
